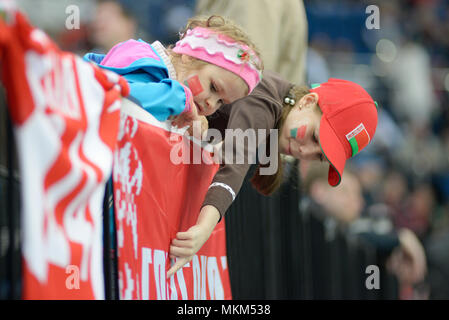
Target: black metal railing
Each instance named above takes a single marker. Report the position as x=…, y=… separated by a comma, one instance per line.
x=279, y=249
x=10, y=255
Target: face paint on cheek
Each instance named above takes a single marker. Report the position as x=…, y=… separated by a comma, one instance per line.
x=298, y=132
x=194, y=85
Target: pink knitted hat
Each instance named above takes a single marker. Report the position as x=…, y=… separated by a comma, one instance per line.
x=221, y=50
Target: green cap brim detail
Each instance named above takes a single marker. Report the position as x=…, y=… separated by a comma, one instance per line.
x=339, y=177
x=377, y=106
x=315, y=85
x=354, y=146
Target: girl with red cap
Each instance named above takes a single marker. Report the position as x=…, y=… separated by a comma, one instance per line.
x=332, y=122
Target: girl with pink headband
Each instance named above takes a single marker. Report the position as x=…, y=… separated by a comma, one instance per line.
x=214, y=63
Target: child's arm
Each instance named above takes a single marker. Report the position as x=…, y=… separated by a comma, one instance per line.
x=186, y=244
x=147, y=76
x=187, y=117
x=163, y=99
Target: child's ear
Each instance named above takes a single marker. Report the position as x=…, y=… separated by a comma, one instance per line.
x=309, y=100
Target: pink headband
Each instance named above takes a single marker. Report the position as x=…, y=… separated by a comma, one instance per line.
x=218, y=49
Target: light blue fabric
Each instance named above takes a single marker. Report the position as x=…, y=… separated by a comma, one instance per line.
x=149, y=83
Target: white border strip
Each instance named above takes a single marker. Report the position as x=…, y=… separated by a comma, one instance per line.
x=131, y=109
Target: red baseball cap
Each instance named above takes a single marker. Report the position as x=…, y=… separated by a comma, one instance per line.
x=348, y=123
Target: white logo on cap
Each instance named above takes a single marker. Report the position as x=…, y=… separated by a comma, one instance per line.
x=356, y=131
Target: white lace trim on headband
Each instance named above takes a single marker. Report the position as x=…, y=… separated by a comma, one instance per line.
x=223, y=185
x=212, y=47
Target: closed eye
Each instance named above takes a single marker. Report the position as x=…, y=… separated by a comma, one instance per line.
x=213, y=87
x=315, y=139
x=320, y=155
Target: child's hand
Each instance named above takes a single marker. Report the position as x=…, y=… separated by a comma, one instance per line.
x=198, y=124
x=199, y=127
x=186, y=244
x=408, y=261
x=186, y=118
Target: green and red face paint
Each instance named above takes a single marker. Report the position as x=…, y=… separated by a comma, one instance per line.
x=298, y=133
x=194, y=85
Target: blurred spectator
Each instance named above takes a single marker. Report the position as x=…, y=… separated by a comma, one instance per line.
x=113, y=23
x=164, y=19
x=408, y=263
x=278, y=28
x=389, y=135
x=404, y=172
x=53, y=16
x=390, y=27
x=418, y=209
x=317, y=67
x=394, y=192
x=370, y=170
x=437, y=249
x=405, y=256
x=413, y=97
x=421, y=153
x=344, y=202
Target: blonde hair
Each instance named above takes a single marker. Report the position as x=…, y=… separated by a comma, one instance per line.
x=221, y=25
x=268, y=184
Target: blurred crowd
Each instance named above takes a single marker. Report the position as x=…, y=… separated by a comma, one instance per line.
x=402, y=178
x=400, y=182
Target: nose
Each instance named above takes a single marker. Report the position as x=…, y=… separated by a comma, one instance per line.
x=211, y=105
x=309, y=151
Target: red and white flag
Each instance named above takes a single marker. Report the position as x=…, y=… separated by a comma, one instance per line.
x=65, y=114
x=160, y=181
